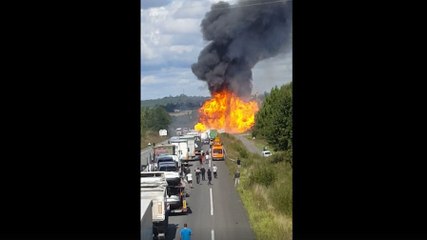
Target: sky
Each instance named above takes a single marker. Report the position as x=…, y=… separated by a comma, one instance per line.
x=170, y=43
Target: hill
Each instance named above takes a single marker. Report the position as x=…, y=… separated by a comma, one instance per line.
x=181, y=102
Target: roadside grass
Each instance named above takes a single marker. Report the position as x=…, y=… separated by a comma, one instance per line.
x=151, y=137
x=265, y=189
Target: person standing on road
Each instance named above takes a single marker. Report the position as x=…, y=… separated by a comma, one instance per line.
x=203, y=170
x=185, y=233
x=207, y=157
x=197, y=175
x=201, y=159
x=209, y=176
x=236, y=178
x=214, y=168
x=190, y=179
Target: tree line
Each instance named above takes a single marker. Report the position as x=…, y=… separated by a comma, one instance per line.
x=181, y=102
x=274, y=120
x=154, y=119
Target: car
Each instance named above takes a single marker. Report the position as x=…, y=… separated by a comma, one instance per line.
x=266, y=153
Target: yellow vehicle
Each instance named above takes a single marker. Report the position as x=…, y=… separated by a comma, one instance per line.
x=218, y=151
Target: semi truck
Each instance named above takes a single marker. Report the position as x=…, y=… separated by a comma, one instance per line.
x=212, y=134
x=146, y=219
x=190, y=145
x=164, y=149
x=154, y=188
x=182, y=150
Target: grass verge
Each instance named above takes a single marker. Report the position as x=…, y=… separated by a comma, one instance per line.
x=265, y=189
x=151, y=137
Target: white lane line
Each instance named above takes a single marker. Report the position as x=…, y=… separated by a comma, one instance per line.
x=210, y=163
x=212, y=234
x=210, y=190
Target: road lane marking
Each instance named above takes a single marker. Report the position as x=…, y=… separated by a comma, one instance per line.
x=210, y=190
x=212, y=234
x=210, y=163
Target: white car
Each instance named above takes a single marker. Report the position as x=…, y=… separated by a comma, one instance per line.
x=266, y=153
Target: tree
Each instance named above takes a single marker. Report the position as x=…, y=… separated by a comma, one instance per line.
x=274, y=120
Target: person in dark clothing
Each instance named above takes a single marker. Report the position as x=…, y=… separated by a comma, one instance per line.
x=236, y=178
x=197, y=175
x=209, y=176
x=238, y=162
x=203, y=170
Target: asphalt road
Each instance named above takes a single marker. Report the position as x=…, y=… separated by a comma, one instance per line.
x=215, y=211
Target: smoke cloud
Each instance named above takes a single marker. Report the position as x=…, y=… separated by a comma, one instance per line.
x=241, y=35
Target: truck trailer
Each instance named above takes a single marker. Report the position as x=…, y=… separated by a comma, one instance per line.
x=146, y=219
x=154, y=188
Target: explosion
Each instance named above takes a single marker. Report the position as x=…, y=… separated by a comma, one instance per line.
x=225, y=111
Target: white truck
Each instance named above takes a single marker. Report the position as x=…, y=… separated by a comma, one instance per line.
x=190, y=143
x=182, y=147
x=146, y=219
x=154, y=188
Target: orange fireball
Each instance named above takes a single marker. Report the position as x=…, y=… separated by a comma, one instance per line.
x=225, y=111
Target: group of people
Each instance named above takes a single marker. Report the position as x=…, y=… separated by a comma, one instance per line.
x=202, y=172
x=186, y=232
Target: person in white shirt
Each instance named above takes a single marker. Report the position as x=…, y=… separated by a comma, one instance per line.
x=190, y=179
x=214, y=168
x=207, y=158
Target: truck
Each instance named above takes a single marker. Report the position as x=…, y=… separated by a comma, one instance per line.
x=197, y=145
x=212, y=134
x=175, y=190
x=154, y=188
x=190, y=145
x=181, y=147
x=146, y=219
x=179, y=131
x=164, y=149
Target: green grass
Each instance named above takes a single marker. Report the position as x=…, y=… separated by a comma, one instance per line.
x=151, y=137
x=265, y=189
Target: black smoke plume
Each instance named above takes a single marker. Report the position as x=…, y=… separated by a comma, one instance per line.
x=240, y=35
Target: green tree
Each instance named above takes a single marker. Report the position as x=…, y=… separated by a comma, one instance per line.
x=274, y=120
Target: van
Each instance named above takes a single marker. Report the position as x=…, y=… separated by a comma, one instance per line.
x=217, y=152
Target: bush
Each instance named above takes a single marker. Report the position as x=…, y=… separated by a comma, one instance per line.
x=285, y=156
x=263, y=175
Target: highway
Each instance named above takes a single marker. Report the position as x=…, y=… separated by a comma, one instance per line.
x=215, y=211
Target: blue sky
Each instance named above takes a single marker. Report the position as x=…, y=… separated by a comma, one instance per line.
x=171, y=41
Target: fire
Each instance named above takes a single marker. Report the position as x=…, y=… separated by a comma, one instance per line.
x=225, y=111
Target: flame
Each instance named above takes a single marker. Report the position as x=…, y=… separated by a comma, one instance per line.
x=225, y=111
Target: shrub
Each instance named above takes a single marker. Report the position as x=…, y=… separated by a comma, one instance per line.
x=263, y=175
x=283, y=156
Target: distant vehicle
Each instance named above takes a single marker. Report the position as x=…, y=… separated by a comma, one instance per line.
x=266, y=153
x=163, y=132
x=212, y=134
x=179, y=131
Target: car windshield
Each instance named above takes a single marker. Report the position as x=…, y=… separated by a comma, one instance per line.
x=165, y=159
x=168, y=169
x=219, y=151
